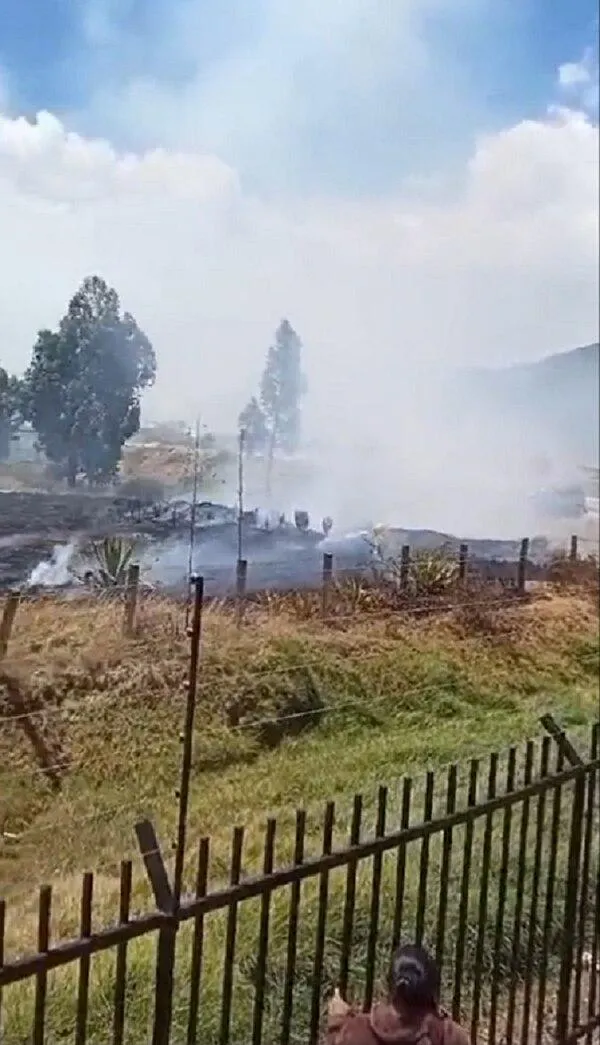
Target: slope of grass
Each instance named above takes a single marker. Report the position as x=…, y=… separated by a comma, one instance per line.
x=290, y=713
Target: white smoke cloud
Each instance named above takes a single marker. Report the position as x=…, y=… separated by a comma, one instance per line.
x=495, y=265
x=321, y=92
x=504, y=269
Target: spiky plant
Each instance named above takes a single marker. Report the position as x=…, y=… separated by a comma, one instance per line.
x=112, y=558
x=432, y=572
x=428, y=572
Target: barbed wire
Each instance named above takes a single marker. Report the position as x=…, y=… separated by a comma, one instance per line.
x=251, y=724
x=317, y=807
x=297, y=584
x=311, y=557
x=417, y=691
x=254, y=598
x=249, y=673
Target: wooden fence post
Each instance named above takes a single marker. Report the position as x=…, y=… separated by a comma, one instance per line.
x=463, y=558
x=522, y=565
x=241, y=577
x=131, y=600
x=327, y=580
x=573, y=551
x=8, y=616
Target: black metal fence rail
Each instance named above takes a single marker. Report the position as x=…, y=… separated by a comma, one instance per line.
x=495, y=866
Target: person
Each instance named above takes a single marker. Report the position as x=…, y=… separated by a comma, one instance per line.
x=410, y=1016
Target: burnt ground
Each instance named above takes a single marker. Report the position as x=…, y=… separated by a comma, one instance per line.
x=32, y=524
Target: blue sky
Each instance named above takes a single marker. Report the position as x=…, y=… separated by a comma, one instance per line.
x=488, y=64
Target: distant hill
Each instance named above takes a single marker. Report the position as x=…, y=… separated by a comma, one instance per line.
x=577, y=368
x=555, y=399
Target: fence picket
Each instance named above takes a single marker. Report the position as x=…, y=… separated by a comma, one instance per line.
x=519, y=893
x=451, y=786
x=41, y=983
x=125, y=882
x=594, y=957
x=198, y=941
x=535, y=891
x=230, y=937
x=463, y=915
x=85, y=931
x=483, y=899
x=317, y=977
x=292, y=940
x=2, y=932
x=401, y=863
x=518, y=932
x=584, y=878
x=549, y=906
x=507, y=821
x=263, y=936
x=350, y=897
x=424, y=859
x=375, y=898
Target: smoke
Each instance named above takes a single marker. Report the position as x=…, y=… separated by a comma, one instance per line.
x=55, y=572
x=333, y=163
x=461, y=452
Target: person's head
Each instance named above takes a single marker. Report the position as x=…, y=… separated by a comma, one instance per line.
x=414, y=981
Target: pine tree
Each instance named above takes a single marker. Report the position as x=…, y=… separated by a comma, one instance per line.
x=282, y=387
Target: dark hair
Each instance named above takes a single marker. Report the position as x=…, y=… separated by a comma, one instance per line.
x=414, y=978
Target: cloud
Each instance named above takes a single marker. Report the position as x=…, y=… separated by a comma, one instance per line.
x=492, y=263
x=337, y=95
x=578, y=81
x=506, y=268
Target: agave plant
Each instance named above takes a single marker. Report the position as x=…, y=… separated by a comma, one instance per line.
x=427, y=572
x=432, y=572
x=112, y=558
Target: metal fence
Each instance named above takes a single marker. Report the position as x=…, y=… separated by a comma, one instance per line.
x=495, y=866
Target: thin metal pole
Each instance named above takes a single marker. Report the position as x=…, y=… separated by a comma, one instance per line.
x=240, y=491
x=187, y=738
x=193, y=515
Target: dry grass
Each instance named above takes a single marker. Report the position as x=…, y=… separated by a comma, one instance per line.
x=348, y=704
x=171, y=465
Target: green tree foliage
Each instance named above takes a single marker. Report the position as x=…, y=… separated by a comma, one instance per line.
x=10, y=410
x=282, y=387
x=254, y=423
x=84, y=383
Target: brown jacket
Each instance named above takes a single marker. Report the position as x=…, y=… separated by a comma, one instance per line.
x=384, y=1026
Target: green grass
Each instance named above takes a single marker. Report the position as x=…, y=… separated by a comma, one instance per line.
x=402, y=696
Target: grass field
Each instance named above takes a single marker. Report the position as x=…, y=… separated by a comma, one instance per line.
x=291, y=712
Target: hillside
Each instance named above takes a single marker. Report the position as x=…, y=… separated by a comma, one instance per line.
x=555, y=400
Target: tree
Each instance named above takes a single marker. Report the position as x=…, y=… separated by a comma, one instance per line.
x=254, y=423
x=10, y=410
x=282, y=387
x=84, y=382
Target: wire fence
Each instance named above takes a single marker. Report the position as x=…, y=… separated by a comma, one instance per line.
x=251, y=700
x=42, y=721
x=412, y=582
x=493, y=865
